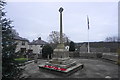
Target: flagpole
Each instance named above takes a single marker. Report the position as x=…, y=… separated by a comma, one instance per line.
x=88, y=42
x=88, y=35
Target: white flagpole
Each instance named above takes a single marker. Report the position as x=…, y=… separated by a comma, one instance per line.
x=88, y=35
x=88, y=42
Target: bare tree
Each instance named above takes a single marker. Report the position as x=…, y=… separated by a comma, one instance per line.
x=112, y=39
x=54, y=37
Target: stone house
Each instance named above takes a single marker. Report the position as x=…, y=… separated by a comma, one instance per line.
x=36, y=46
x=22, y=44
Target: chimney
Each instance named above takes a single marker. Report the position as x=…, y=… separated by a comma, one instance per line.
x=39, y=38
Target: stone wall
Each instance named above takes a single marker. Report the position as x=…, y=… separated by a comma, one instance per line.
x=110, y=56
x=74, y=54
x=99, y=46
x=100, y=49
x=90, y=55
x=84, y=49
x=107, y=56
x=85, y=54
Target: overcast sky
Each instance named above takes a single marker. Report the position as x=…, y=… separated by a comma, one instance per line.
x=34, y=19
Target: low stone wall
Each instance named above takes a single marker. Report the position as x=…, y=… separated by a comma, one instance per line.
x=90, y=55
x=74, y=54
x=107, y=56
x=110, y=56
x=85, y=55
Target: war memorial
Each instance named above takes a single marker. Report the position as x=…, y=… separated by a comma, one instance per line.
x=61, y=63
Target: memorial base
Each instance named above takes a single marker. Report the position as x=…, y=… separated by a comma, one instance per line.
x=61, y=63
x=60, y=69
x=68, y=72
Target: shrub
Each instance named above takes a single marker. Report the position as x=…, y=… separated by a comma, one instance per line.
x=47, y=50
x=72, y=46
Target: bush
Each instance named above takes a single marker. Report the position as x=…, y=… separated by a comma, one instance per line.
x=47, y=50
x=72, y=46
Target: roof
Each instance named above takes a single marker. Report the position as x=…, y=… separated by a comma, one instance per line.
x=20, y=38
x=38, y=42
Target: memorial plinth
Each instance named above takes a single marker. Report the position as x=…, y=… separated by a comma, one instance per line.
x=61, y=62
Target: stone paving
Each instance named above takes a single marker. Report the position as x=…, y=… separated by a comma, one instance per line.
x=93, y=68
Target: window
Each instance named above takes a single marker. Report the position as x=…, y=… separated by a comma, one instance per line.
x=23, y=43
x=30, y=46
x=41, y=46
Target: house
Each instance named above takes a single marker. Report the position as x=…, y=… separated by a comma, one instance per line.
x=22, y=44
x=36, y=46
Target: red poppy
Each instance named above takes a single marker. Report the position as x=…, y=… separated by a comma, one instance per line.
x=56, y=68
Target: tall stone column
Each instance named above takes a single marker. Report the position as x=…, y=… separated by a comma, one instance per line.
x=61, y=36
x=60, y=51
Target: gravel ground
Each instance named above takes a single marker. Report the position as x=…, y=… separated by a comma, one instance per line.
x=93, y=68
